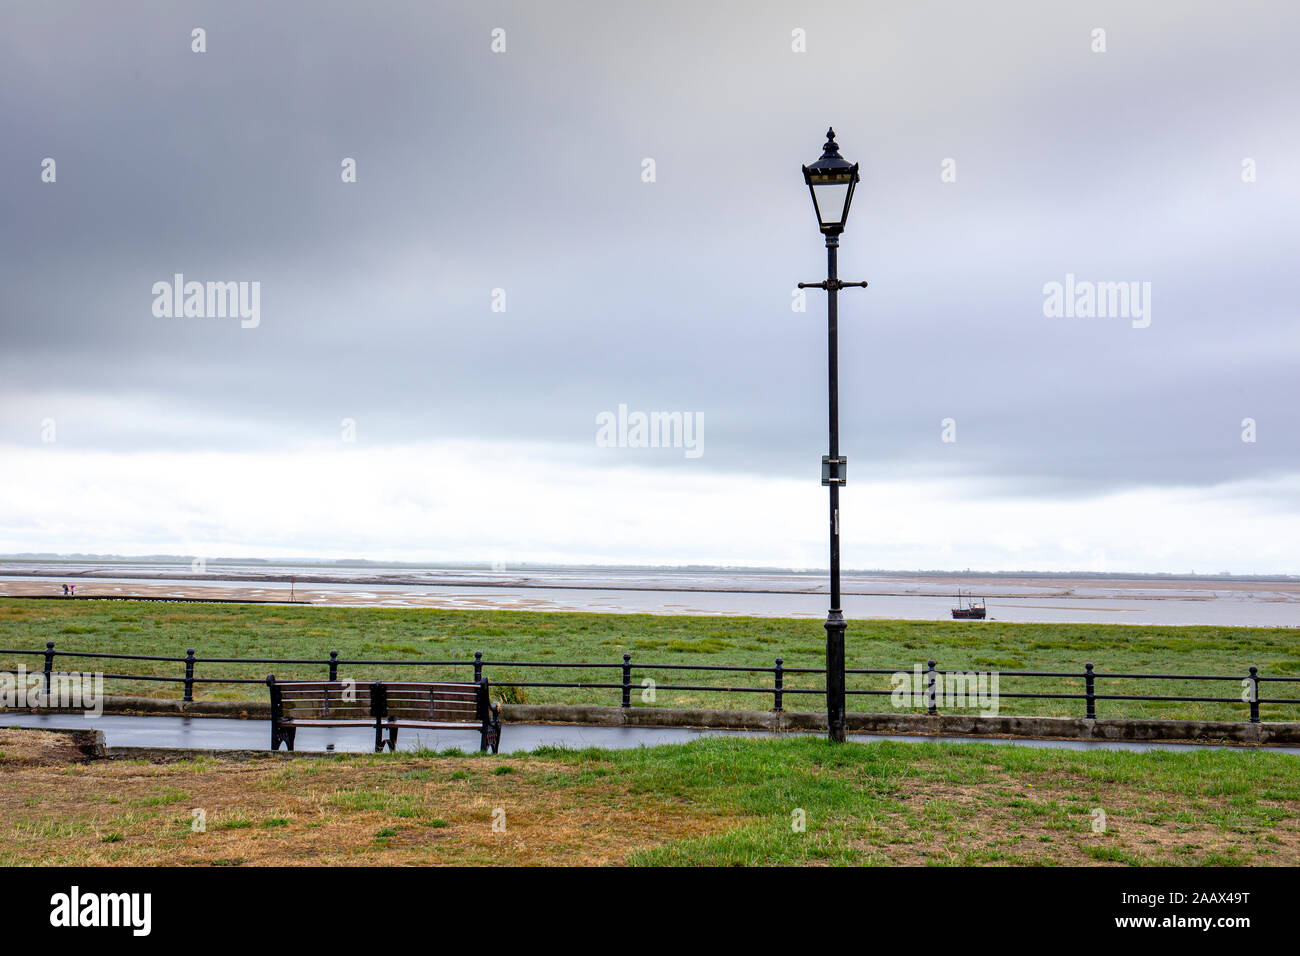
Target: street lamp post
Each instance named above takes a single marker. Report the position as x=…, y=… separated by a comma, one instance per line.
x=831, y=181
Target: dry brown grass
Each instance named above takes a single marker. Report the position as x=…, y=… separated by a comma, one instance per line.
x=1138, y=827
x=281, y=811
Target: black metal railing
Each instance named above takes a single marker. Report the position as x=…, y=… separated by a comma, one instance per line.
x=931, y=695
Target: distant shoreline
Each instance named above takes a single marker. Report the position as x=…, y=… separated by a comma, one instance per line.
x=282, y=568
x=937, y=585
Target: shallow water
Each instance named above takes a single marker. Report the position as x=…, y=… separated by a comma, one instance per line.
x=221, y=733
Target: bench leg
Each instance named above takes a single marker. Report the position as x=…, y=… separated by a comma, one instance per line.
x=289, y=737
x=392, y=739
x=379, y=738
x=275, y=738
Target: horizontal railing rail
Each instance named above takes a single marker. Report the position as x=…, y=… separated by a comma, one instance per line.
x=930, y=677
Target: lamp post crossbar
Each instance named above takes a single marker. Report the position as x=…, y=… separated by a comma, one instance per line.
x=835, y=286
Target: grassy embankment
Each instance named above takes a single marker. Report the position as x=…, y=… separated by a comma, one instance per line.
x=417, y=634
x=714, y=801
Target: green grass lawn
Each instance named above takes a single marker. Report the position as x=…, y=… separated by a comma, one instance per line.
x=719, y=801
x=970, y=805
x=435, y=634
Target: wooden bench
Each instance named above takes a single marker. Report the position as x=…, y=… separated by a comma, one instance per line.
x=385, y=706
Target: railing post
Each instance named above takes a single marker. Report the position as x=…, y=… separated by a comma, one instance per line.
x=189, y=675
x=1090, y=691
x=930, y=694
x=49, y=665
x=478, y=667
x=778, y=683
x=1254, y=694
x=627, y=680
x=334, y=665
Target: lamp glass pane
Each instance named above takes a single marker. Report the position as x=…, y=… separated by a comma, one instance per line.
x=830, y=201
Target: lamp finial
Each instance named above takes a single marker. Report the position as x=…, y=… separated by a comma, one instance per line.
x=831, y=148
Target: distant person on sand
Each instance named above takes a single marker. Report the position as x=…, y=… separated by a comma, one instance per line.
x=65, y=590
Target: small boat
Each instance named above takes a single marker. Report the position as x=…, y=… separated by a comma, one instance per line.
x=971, y=612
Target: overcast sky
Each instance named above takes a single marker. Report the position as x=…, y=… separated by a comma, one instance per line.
x=1081, y=442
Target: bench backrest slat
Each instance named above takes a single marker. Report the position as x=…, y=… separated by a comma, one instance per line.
x=437, y=701
x=325, y=700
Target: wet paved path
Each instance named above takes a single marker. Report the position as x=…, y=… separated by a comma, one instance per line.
x=221, y=733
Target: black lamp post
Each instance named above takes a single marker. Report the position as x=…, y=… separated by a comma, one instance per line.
x=831, y=181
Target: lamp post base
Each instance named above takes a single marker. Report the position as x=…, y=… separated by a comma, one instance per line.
x=835, y=627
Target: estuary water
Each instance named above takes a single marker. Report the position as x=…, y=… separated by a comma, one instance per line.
x=1209, y=600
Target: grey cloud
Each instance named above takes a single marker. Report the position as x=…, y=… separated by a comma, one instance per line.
x=521, y=171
